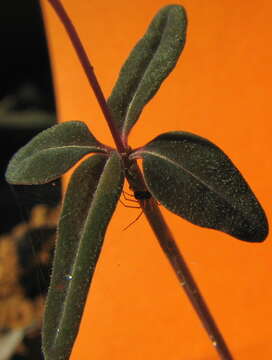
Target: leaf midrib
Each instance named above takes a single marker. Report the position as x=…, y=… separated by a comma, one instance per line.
x=83, y=232
x=131, y=103
x=39, y=151
x=69, y=146
x=190, y=173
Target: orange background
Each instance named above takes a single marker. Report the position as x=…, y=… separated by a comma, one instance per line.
x=221, y=90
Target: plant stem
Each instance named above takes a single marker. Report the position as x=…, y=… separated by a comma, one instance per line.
x=150, y=207
x=88, y=68
x=169, y=246
x=174, y=256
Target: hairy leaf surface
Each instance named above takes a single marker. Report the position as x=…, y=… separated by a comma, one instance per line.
x=51, y=153
x=148, y=65
x=90, y=201
x=194, y=179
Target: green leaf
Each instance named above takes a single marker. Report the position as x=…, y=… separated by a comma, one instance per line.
x=152, y=59
x=51, y=153
x=90, y=201
x=194, y=179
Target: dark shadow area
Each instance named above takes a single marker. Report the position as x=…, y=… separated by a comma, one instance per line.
x=26, y=99
x=27, y=106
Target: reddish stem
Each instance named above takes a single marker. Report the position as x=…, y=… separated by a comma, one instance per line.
x=89, y=71
x=185, y=277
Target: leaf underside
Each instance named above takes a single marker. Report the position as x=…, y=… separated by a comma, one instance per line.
x=51, y=153
x=152, y=59
x=194, y=179
x=90, y=201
